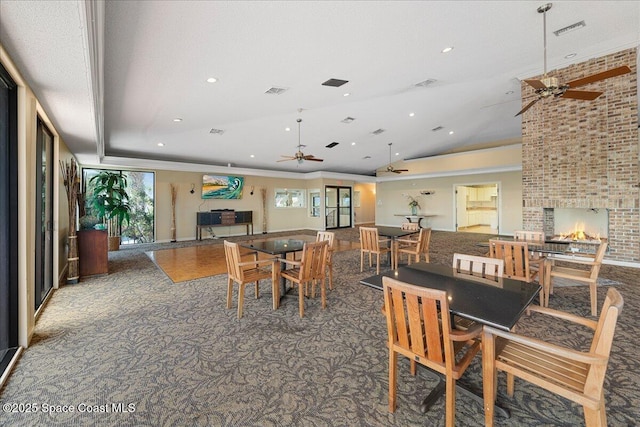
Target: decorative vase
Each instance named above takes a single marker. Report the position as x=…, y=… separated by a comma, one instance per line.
x=414, y=210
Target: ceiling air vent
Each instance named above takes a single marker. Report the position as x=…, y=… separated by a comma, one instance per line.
x=437, y=128
x=276, y=90
x=571, y=27
x=377, y=131
x=333, y=144
x=347, y=120
x=425, y=83
x=216, y=131
x=335, y=82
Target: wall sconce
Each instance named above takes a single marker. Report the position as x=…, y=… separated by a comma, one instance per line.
x=193, y=188
x=251, y=192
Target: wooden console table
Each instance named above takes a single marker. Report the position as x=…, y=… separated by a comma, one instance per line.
x=92, y=249
x=223, y=218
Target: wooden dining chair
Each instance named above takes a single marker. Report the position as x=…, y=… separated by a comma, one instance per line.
x=573, y=374
x=413, y=248
x=516, y=262
x=587, y=274
x=329, y=236
x=308, y=271
x=370, y=243
x=417, y=330
x=251, y=271
x=478, y=267
x=536, y=259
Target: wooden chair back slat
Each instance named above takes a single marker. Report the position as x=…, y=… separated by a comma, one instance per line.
x=515, y=256
x=369, y=239
x=478, y=266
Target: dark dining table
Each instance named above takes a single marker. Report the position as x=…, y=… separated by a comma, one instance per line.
x=499, y=305
x=280, y=247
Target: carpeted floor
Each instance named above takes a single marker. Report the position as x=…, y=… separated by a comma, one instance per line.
x=133, y=348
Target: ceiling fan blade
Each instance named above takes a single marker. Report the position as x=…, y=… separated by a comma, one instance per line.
x=400, y=170
x=536, y=84
x=286, y=159
x=529, y=105
x=586, y=95
x=313, y=159
x=600, y=76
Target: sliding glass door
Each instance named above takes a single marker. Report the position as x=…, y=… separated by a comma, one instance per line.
x=8, y=220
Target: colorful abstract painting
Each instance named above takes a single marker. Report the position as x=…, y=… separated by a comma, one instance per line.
x=222, y=187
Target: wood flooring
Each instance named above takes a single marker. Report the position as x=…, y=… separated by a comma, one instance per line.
x=195, y=262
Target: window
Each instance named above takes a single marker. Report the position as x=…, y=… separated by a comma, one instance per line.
x=289, y=198
x=314, y=199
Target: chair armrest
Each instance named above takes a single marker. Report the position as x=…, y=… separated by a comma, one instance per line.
x=578, y=261
x=406, y=241
x=258, y=262
x=578, y=356
x=290, y=261
x=592, y=324
x=473, y=332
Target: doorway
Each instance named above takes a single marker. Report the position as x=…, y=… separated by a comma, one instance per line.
x=337, y=207
x=44, y=213
x=477, y=208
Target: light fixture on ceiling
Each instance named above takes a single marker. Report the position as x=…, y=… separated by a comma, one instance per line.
x=412, y=114
x=160, y=144
x=177, y=120
x=346, y=94
x=447, y=49
x=450, y=132
x=390, y=167
x=212, y=80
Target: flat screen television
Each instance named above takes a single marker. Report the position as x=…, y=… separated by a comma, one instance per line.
x=222, y=187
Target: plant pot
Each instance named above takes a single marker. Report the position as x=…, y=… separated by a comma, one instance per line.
x=114, y=243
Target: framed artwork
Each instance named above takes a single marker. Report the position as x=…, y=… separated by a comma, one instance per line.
x=222, y=187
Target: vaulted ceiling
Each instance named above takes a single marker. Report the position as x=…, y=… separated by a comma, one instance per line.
x=115, y=76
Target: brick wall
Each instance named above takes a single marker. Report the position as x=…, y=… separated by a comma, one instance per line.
x=584, y=154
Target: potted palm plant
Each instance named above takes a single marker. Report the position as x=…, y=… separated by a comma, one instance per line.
x=111, y=202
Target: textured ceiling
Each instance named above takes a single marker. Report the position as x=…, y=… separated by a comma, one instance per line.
x=157, y=56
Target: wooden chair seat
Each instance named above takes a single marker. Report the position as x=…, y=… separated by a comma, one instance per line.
x=587, y=274
x=311, y=269
x=413, y=248
x=370, y=243
x=252, y=271
x=575, y=375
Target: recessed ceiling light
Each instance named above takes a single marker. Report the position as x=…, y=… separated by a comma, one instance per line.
x=412, y=114
x=177, y=119
x=353, y=143
x=287, y=129
x=447, y=49
x=450, y=132
x=346, y=94
x=571, y=55
x=160, y=144
x=397, y=154
x=252, y=156
x=212, y=80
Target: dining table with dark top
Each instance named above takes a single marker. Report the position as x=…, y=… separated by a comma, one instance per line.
x=499, y=304
x=280, y=247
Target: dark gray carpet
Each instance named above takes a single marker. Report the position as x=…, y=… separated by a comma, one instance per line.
x=172, y=354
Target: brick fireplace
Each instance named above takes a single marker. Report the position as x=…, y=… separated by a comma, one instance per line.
x=585, y=154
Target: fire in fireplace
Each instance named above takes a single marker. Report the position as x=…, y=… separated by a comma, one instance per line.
x=577, y=225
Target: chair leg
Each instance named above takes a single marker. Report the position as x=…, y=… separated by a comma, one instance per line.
x=489, y=378
x=393, y=361
x=593, y=290
x=361, y=261
x=510, y=384
x=595, y=417
x=257, y=289
x=331, y=276
x=301, y=299
x=229, y=292
x=412, y=367
x=240, y=299
x=323, y=293
x=378, y=263
x=450, y=407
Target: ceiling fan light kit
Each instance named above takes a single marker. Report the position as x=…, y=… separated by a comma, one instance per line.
x=551, y=86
